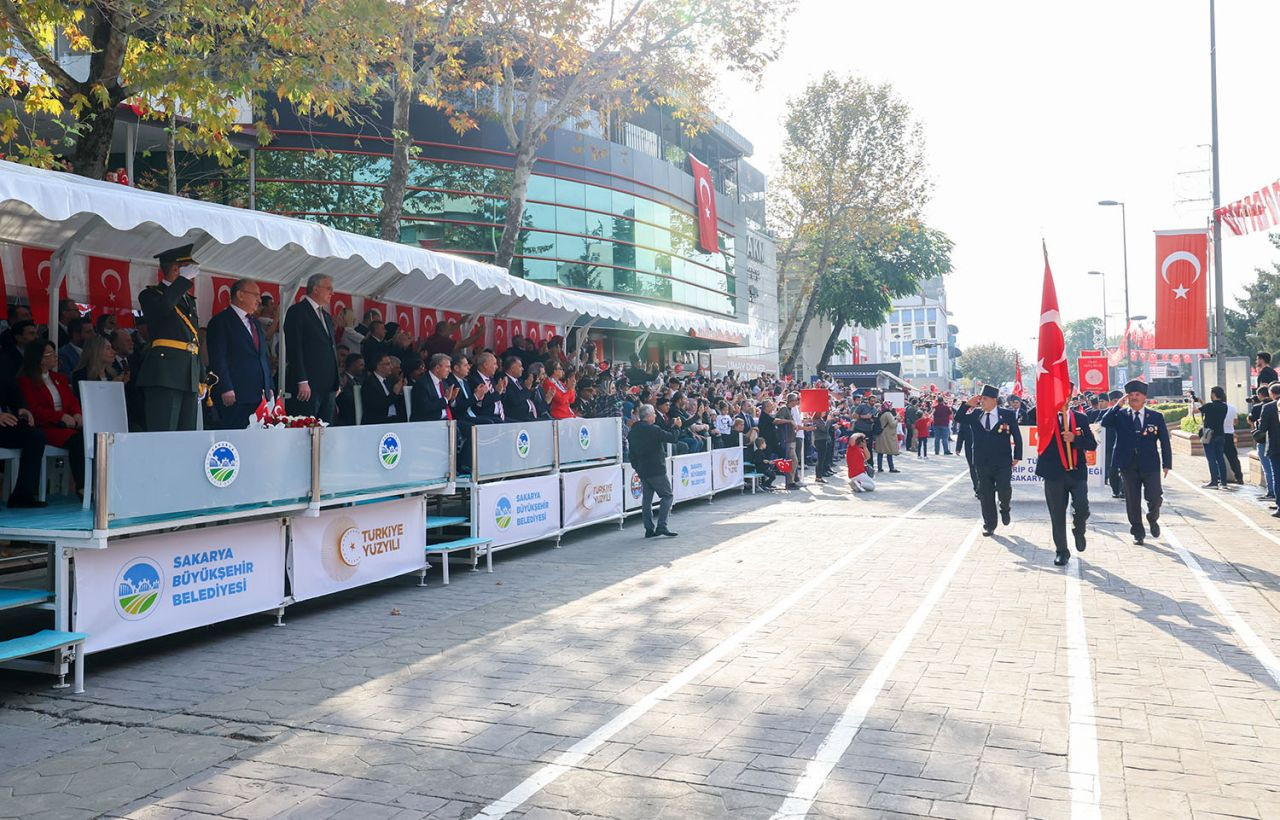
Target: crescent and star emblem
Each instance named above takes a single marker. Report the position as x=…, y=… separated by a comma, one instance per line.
x=704, y=196
x=114, y=291
x=1180, y=292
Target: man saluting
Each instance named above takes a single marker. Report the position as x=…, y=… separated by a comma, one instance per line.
x=1142, y=453
x=997, y=449
x=1066, y=478
x=170, y=372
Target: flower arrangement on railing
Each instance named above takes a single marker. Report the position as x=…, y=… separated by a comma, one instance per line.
x=272, y=415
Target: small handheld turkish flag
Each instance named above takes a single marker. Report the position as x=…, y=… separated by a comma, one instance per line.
x=278, y=410
x=263, y=412
x=1053, y=384
x=705, y=203
x=1018, y=389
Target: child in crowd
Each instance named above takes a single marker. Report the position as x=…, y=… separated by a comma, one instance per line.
x=856, y=457
x=763, y=464
x=922, y=436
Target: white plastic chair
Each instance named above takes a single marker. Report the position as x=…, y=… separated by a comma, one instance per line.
x=10, y=456
x=103, y=407
x=357, y=402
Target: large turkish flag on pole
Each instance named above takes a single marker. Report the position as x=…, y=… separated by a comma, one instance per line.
x=705, y=203
x=1053, y=383
x=109, y=291
x=1182, y=291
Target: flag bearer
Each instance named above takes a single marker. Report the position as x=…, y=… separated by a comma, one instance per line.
x=1065, y=472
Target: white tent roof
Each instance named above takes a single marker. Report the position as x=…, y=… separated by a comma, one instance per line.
x=41, y=208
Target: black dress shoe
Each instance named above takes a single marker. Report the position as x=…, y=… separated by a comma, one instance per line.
x=1276, y=514
x=1004, y=517
x=666, y=532
x=1117, y=495
x=649, y=533
x=1061, y=560
x=1139, y=539
x=987, y=533
x=1079, y=541
x=895, y=471
x=1154, y=527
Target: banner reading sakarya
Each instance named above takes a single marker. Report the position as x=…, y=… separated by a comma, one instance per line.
x=1025, y=472
x=523, y=509
x=691, y=476
x=155, y=585
x=352, y=546
x=726, y=468
x=590, y=495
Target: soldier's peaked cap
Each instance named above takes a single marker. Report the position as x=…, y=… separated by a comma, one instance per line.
x=174, y=255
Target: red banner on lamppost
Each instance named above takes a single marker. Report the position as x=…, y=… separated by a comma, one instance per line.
x=1092, y=371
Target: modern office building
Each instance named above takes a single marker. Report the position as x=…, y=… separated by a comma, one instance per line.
x=919, y=335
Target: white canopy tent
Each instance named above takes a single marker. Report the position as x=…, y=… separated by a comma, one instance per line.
x=77, y=218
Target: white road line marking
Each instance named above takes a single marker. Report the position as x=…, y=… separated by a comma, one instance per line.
x=1243, y=631
x=837, y=741
x=1082, y=733
x=578, y=752
x=1231, y=508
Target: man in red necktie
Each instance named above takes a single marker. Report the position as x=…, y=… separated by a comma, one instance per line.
x=238, y=356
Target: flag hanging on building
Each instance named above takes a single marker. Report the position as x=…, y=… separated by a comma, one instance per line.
x=1053, y=383
x=1017, y=376
x=1182, y=292
x=705, y=202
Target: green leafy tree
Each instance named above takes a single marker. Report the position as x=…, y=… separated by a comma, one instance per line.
x=988, y=363
x=1256, y=325
x=1081, y=334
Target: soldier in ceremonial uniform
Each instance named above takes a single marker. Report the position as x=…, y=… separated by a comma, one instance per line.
x=1142, y=455
x=170, y=373
x=997, y=449
x=1065, y=472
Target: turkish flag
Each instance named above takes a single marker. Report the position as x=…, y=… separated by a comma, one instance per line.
x=339, y=302
x=221, y=293
x=534, y=332
x=814, y=401
x=1093, y=373
x=272, y=289
x=428, y=319
x=1017, y=377
x=1053, y=383
x=109, y=289
x=404, y=317
x=501, y=327
x=705, y=205
x=1182, y=293
x=297, y=297
x=380, y=307
x=36, y=268
x=450, y=316
x=549, y=331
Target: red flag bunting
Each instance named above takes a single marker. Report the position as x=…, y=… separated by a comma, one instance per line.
x=35, y=271
x=1017, y=377
x=221, y=293
x=109, y=291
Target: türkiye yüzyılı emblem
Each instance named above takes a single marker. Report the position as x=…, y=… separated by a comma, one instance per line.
x=637, y=489
x=584, y=436
x=522, y=444
x=389, y=451
x=349, y=546
x=222, y=463
x=138, y=589
x=502, y=513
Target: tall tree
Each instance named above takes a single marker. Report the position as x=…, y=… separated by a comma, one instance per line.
x=1256, y=325
x=1081, y=334
x=862, y=284
x=988, y=363
x=194, y=60
x=557, y=61
x=853, y=165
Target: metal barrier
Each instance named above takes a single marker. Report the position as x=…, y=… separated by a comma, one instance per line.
x=587, y=442
x=512, y=449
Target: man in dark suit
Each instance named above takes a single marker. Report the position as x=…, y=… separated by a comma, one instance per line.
x=1269, y=423
x=648, y=454
x=517, y=403
x=1109, y=443
x=997, y=449
x=170, y=373
x=1142, y=453
x=238, y=356
x=344, y=405
x=464, y=404
x=382, y=394
x=312, y=357
x=433, y=395
x=1067, y=482
x=487, y=387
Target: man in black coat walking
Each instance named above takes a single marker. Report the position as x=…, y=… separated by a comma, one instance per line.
x=997, y=448
x=1067, y=482
x=647, y=442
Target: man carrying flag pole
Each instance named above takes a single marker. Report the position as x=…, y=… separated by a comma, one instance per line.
x=1063, y=435
x=1017, y=376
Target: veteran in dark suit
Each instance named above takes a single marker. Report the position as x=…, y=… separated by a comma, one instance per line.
x=1142, y=455
x=170, y=373
x=238, y=356
x=1067, y=482
x=517, y=402
x=997, y=448
x=311, y=357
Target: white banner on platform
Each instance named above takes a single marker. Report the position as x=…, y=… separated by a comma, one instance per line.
x=726, y=468
x=352, y=546
x=633, y=490
x=591, y=495
x=155, y=585
x=691, y=476
x=523, y=509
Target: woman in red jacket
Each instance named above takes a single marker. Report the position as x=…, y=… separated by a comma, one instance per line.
x=856, y=458
x=560, y=394
x=55, y=408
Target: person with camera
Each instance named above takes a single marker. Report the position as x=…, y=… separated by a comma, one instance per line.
x=1213, y=415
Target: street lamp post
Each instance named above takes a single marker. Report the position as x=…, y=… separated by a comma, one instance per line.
x=1124, y=231
x=1219, y=312
x=1104, y=303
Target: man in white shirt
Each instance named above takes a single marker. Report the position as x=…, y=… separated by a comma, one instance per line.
x=1229, y=446
x=238, y=357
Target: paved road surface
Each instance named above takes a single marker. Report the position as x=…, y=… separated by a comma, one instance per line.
x=809, y=655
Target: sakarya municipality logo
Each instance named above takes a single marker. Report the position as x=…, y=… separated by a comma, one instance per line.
x=222, y=463
x=522, y=444
x=138, y=589
x=637, y=489
x=584, y=436
x=502, y=513
x=389, y=451
x=684, y=475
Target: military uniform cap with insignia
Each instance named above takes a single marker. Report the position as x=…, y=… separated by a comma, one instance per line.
x=171, y=368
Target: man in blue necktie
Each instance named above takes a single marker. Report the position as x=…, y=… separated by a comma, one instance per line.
x=1142, y=455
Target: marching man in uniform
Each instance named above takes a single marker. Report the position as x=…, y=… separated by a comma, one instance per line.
x=997, y=449
x=170, y=372
x=1063, y=467
x=1142, y=453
